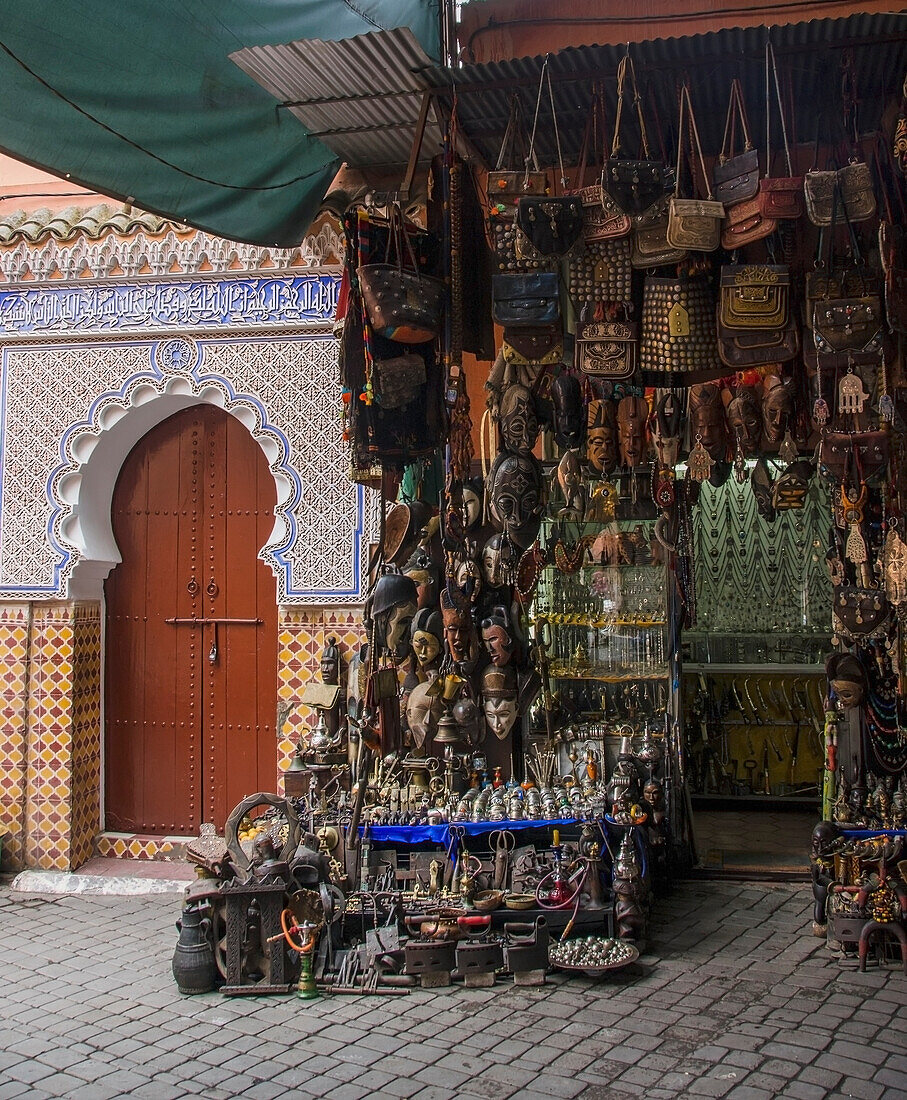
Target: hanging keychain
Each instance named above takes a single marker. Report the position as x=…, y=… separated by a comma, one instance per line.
x=851, y=395
x=821, y=411
x=699, y=462
x=855, y=547
x=894, y=558
x=886, y=404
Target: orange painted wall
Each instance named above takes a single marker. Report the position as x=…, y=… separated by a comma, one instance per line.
x=494, y=30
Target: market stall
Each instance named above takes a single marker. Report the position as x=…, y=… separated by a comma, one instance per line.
x=661, y=573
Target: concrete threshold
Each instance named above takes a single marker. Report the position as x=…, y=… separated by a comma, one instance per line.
x=113, y=877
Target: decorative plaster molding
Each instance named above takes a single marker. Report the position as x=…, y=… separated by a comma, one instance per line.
x=173, y=252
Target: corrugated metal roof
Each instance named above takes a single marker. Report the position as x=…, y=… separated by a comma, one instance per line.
x=93, y=222
x=808, y=53
x=361, y=96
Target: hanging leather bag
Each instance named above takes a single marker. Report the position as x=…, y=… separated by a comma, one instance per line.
x=552, y=224
x=846, y=329
x=606, y=349
x=780, y=197
x=602, y=220
x=744, y=223
x=649, y=238
x=601, y=272
x=693, y=224
x=678, y=325
x=521, y=301
x=402, y=304
x=861, y=613
x=854, y=456
x=755, y=321
x=754, y=296
x=736, y=176
x=633, y=185
x=507, y=184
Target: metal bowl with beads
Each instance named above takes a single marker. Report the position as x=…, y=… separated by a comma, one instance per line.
x=592, y=955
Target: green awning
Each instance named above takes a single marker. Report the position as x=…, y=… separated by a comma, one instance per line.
x=139, y=100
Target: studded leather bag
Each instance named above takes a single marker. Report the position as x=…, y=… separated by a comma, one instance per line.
x=402, y=304
x=678, y=325
x=633, y=185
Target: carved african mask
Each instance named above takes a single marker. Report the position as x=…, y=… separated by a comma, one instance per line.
x=458, y=631
x=499, y=700
x=707, y=420
x=744, y=417
x=515, y=496
x=570, y=481
x=846, y=678
x=426, y=633
x=791, y=487
x=497, y=637
x=632, y=414
x=518, y=421
x=601, y=436
x=777, y=408
x=330, y=662
x=498, y=562
x=392, y=608
x=472, y=503
x=668, y=422
x=567, y=398
x=423, y=709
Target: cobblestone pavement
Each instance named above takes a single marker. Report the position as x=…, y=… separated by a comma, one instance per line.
x=734, y=998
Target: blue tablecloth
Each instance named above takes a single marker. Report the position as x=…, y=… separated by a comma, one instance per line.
x=441, y=834
x=448, y=833
x=862, y=834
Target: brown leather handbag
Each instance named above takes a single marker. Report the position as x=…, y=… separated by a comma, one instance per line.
x=736, y=176
x=606, y=349
x=754, y=296
x=861, y=612
x=846, y=327
x=755, y=324
x=693, y=224
x=506, y=184
x=853, y=184
x=601, y=272
x=602, y=220
x=745, y=222
x=854, y=456
x=649, y=238
x=780, y=197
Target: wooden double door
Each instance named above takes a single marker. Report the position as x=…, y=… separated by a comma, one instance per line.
x=191, y=628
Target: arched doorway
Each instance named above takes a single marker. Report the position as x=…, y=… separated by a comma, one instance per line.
x=191, y=628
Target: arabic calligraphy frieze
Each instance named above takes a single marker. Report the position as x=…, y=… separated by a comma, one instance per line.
x=262, y=301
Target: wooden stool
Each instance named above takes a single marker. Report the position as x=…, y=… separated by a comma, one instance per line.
x=871, y=927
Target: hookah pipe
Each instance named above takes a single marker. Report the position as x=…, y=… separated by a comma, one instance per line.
x=565, y=889
x=308, y=933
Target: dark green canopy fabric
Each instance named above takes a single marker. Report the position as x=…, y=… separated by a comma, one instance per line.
x=139, y=100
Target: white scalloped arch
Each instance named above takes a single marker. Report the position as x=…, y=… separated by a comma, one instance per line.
x=94, y=451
